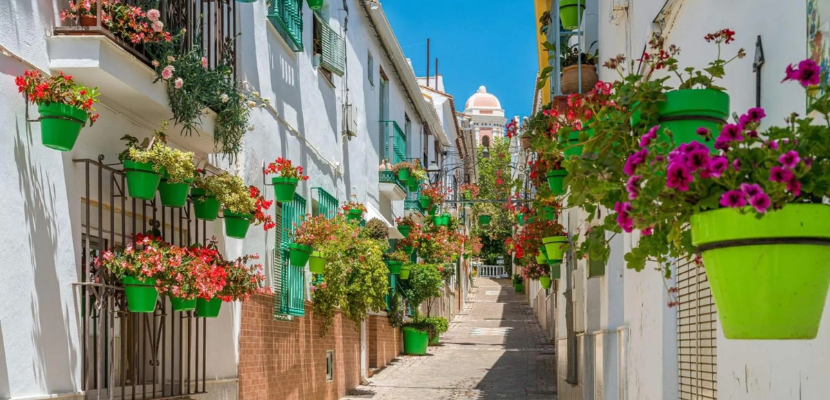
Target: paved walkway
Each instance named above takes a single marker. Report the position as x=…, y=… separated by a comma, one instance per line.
x=494, y=349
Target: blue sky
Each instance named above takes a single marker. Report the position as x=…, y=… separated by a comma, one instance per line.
x=480, y=42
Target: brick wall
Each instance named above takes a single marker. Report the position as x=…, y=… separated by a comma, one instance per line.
x=286, y=360
x=385, y=342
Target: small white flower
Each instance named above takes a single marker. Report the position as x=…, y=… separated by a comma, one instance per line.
x=224, y=98
x=252, y=104
x=266, y=100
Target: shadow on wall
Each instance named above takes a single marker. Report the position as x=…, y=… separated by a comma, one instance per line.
x=5, y=391
x=55, y=363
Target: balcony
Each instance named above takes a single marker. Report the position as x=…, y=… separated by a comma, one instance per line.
x=412, y=208
x=390, y=186
x=98, y=57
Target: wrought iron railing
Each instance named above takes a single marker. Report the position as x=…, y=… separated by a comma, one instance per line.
x=391, y=177
x=133, y=355
x=210, y=24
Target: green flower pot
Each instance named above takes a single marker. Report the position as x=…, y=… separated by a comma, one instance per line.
x=315, y=5
x=180, y=304
x=433, y=210
x=412, y=184
x=556, y=179
x=405, y=270
x=436, y=340
x=520, y=287
x=394, y=267
x=142, y=179
x=548, y=214
x=520, y=219
x=174, y=194
x=438, y=220
x=236, y=225
x=403, y=175
x=484, y=220
x=141, y=296
x=404, y=230
x=60, y=125
x=284, y=188
x=299, y=254
x=426, y=202
x=354, y=215
x=553, y=247
x=684, y=111
x=540, y=259
x=206, y=207
x=415, y=341
x=545, y=282
x=208, y=308
x=446, y=218
x=408, y=249
x=316, y=263
x=570, y=13
x=769, y=276
x=574, y=149
x=555, y=270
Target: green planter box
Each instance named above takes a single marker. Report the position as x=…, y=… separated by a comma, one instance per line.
x=415, y=341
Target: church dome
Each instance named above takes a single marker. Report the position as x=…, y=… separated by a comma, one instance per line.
x=482, y=99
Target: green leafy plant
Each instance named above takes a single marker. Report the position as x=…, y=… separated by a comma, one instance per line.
x=396, y=313
x=425, y=283
x=230, y=190
x=178, y=165
x=60, y=89
x=375, y=229
x=418, y=171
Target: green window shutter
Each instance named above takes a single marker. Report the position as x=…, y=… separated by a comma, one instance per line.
x=333, y=56
x=392, y=289
x=398, y=144
x=287, y=18
x=326, y=203
x=292, y=278
x=371, y=69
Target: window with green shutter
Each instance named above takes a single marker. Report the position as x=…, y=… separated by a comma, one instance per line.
x=289, y=280
x=330, y=46
x=326, y=203
x=287, y=18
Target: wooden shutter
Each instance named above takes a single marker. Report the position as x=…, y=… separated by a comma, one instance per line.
x=333, y=56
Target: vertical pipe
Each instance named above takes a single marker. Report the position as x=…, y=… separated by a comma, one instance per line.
x=436, y=73
x=84, y=293
x=427, y=62
x=99, y=332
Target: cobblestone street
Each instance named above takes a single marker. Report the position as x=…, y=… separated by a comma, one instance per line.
x=494, y=349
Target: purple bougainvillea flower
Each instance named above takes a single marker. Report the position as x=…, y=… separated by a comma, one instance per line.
x=648, y=231
x=717, y=166
x=807, y=74
x=751, y=190
x=733, y=199
x=633, y=186
x=624, y=219
x=678, y=177
x=794, y=186
x=760, y=202
x=634, y=161
x=779, y=174
x=789, y=159
x=646, y=139
x=698, y=159
x=732, y=133
x=722, y=143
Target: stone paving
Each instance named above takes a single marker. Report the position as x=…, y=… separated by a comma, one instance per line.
x=494, y=349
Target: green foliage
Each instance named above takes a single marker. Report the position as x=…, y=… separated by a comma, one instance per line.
x=177, y=164
x=396, y=313
x=230, y=190
x=434, y=326
x=375, y=229
x=425, y=282
x=495, y=183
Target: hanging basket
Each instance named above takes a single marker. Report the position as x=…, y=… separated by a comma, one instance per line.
x=553, y=247
x=426, y=202
x=438, y=220
x=236, y=225
x=316, y=263
x=404, y=174
x=404, y=230
x=354, y=215
x=484, y=220
x=556, y=179
x=684, y=111
x=769, y=276
x=570, y=13
x=540, y=258
x=545, y=282
x=208, y=308
x=408, y=249
x=570, y=79
x=548, y=214
x=206, y=207
x=174, y=194
x=299, y=254
x=180, y=304
x=284, y=188
x=142, y=179
x=433, y=210
x=412, y=183
x=315, y=5
x=574, y=148
x=415, y=341
x=141, y=296
x=394, y=267
x=446, y=218
x=405, y=270
x=60, y=125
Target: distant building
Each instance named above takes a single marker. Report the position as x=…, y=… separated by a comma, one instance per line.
x=487, y=116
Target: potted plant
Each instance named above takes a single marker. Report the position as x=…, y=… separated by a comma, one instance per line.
x=537, y=272
x=395, y=260
x=312, y=233
x=302, y=243
x=191, y=273
x=288, y=176
x=142, y=166
x=353, y=209
x=127, y=22
x=132, y=267
x=754, y=211
x=437, y=326
x=556, y=179
x=425, y=283
x=555, y=240
x=204, y=194
x=518, y=283
x=570, y=13
x=469, y=191
x=404, y=170
x=243, y=206
x=406, y=269
x=241, y=282
x=576, y=65
x=417, y=175
x=405, y=225
x=64, y=106
x=433, y=195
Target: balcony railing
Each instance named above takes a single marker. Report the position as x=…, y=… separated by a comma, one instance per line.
x=391, y=177
x=210, y=24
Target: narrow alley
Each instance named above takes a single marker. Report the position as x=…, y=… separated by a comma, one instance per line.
x=494, y=349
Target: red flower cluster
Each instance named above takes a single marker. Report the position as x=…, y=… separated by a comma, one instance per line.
x=512, y=128
x=261, y=206
x=285, y=169
x=60, y=89
x=724, y=35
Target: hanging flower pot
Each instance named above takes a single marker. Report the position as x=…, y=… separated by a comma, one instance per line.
x=520, y=219
x=180, y=304
x=142, y=179
x=433, y=210
x=540, y=258
x=570, y=13
x=315, y=5
x=60, y=125
x=404, y=230
x=174, y=194
x=412, y=183
x=299, y=254
x=553, y=247
x=415, y=341
x=284, y=188
x=236, y=225
x=354, y=215
x=574, y=148
x=769, y=276
x=555, y=270
x=404, y=174
x=545, y=282
x=426, y=202
x=438, y=220
x=405, y=270
x=206, y=207
x=548, y=214
x=316, y=263
x=570, y=78
x=87, y=20
x=208, y=308
x=141, y=296
x=556, y=179
x=484, y=220
x=395, y=267
x=684, y=111
x=408, y=249
x=445, y=219
x=524, y=140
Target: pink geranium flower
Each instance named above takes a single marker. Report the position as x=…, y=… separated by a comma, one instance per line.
x=153, y=15
x=733, y=199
